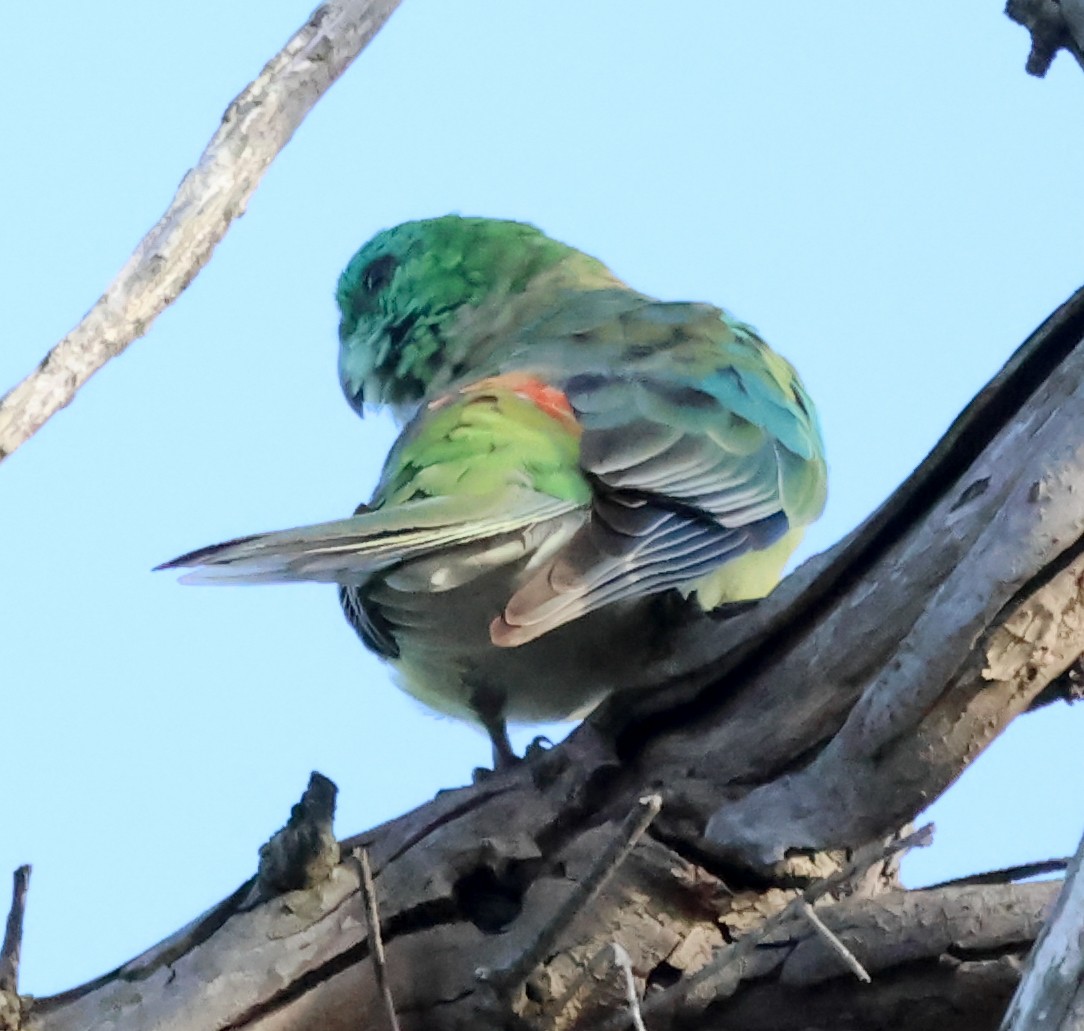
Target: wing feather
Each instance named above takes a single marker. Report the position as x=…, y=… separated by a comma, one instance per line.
x=349, y=551
x=700, y=447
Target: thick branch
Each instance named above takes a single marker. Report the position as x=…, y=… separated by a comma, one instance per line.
x=304, y=963
x=1051, y=994
x=255, y=127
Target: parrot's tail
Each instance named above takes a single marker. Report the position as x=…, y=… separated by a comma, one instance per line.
x=349, y=551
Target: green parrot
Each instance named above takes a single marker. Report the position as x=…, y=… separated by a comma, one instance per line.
x=572, y=448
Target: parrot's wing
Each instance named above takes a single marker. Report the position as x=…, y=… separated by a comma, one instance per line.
x=688, y=472
x=349, y=551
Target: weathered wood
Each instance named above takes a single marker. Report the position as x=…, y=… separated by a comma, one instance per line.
x=13, y=931
x=302, y=963
x=1051, y=994
x=255, y=127
x=11, y=1006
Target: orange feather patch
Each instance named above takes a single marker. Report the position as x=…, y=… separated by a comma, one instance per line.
x=546, y=398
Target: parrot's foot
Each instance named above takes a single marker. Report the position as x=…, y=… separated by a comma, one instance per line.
x=539, y=746
x=504, y=755
x=489, y=706
x=730, y=609
x=505, y=758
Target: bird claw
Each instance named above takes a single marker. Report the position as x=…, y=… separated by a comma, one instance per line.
x=539, y=745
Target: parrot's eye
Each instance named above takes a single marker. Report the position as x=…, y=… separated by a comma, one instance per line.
x=378, y=273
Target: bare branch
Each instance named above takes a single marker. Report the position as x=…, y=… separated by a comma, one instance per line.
x=376, y=942
x=1005, y=875
x=623, y=961
x=11, y=1005
x=1051, y=994
x=255, y=127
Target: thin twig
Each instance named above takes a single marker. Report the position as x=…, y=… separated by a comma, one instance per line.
x=508, y=980
x=376, y=943
x=623, y=962
x=732, y=954
x=834, y=943
x=13, y=933
x=1006, y=875
x=255, y=127
x=615, y=955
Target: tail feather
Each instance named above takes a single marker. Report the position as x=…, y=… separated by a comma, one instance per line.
x=349, y=551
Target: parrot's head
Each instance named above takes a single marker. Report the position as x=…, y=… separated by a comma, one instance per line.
x=407, y=297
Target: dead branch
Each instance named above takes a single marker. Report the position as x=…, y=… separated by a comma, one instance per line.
x=375, y=940
x=11, y=1006
x=13, y=931
x=255, y=127
x=1051, y=992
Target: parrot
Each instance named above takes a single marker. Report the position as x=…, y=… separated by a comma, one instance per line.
x=571, y=451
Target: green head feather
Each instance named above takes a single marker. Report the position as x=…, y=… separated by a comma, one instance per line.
x=404, y=295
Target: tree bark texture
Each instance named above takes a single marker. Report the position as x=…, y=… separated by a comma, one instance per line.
x=1051, y=994
x=781, y=740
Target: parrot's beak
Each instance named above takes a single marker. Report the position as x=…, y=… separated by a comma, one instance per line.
x=356, y=365
x=354, y=391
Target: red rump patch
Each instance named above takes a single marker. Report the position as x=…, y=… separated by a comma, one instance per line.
x=543, y=396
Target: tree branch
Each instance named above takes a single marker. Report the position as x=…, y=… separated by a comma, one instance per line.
x=255, y=127
x=11, y=1005
x=13, y=931
x=1051, y=993
x=375, y=941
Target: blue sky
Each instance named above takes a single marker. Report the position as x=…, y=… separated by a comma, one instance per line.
x=886, y=195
